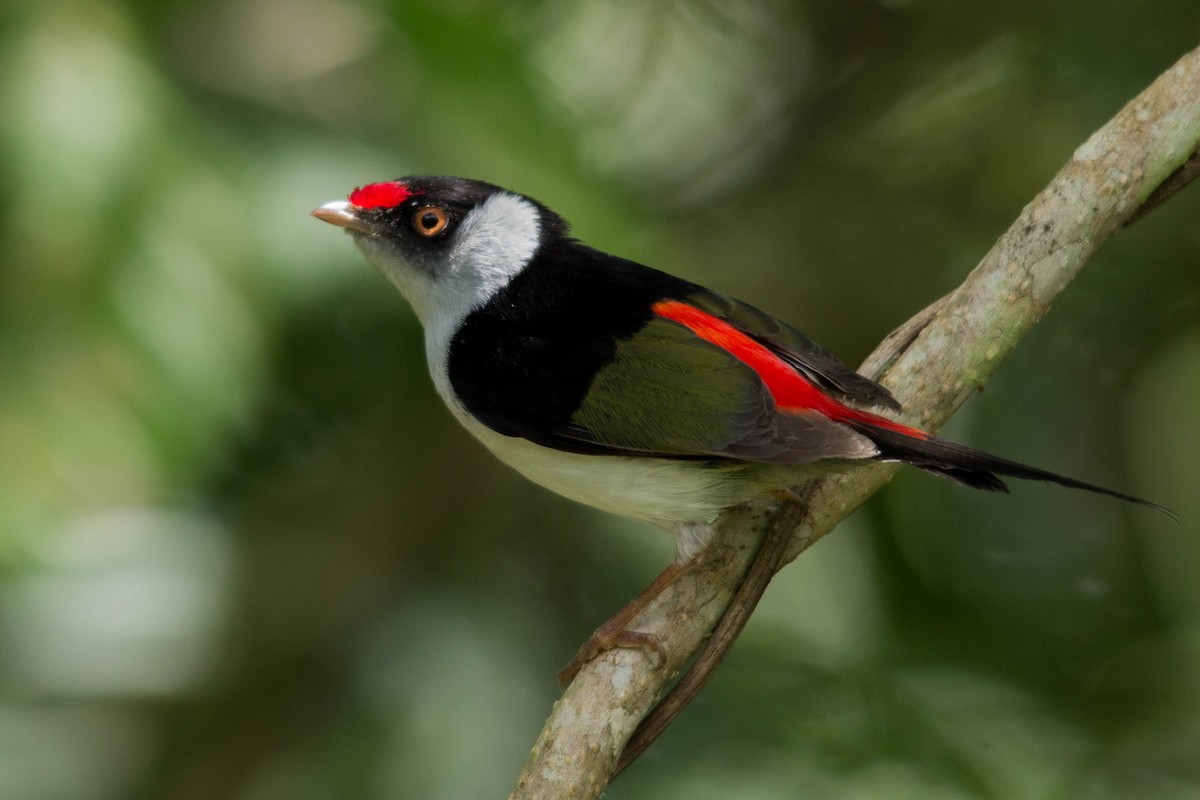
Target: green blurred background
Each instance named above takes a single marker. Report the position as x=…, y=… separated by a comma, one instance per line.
x=245, y=553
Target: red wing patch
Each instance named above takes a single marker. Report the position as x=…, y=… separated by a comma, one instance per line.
x=791, y=390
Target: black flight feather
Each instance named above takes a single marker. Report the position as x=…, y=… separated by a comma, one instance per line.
x=976, y=468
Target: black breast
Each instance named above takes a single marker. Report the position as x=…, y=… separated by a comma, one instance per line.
x=522, y=362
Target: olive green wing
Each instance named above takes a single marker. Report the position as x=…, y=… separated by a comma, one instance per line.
x=667, y=392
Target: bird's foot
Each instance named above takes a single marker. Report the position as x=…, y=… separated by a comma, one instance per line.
x=606, y=638
x=616, y=633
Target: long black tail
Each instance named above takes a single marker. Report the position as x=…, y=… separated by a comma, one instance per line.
x=975, y=467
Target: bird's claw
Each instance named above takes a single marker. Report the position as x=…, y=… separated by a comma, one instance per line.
x=604, y=640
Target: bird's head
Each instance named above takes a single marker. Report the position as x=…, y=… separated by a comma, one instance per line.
x=447, y=243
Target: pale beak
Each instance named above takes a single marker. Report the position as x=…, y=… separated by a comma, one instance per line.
x=343, y=214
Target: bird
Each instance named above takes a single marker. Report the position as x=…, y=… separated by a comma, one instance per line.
x=624, y=387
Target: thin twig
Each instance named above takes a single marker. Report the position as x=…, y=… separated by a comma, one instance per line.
x=1178, y=179
x=766, y=563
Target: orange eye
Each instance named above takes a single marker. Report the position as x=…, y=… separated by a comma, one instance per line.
x=429, y=220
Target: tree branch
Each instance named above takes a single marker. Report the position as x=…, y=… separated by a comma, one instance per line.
x=933, y=364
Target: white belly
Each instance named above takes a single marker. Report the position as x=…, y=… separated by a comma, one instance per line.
x=663, y=491
x=681, y=497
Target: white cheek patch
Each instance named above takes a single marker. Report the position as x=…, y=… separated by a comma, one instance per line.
x=493, y=243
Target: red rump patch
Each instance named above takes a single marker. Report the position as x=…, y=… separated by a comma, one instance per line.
x=791, y=390
x=381, y=195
